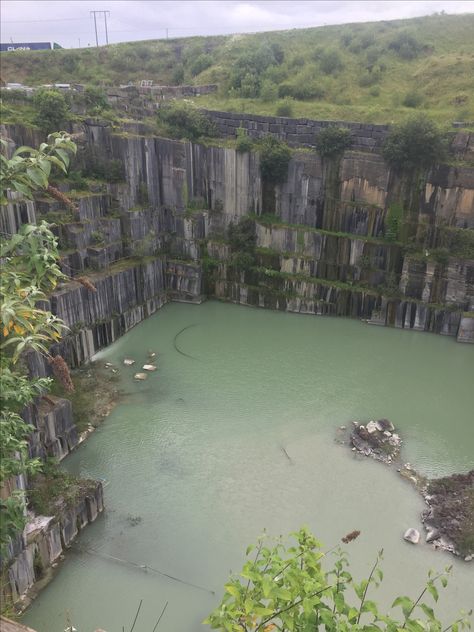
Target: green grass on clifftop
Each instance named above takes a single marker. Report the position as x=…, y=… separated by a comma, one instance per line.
x=375, y=72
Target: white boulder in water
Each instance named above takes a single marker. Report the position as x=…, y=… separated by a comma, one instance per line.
x=128, y=362
x=140, y=376
x=412, y=535
x=149, y=367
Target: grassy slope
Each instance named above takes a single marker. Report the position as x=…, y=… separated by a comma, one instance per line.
x=442, y=75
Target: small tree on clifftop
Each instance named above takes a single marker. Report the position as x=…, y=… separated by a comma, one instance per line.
x=332, y=141
x=415, y=145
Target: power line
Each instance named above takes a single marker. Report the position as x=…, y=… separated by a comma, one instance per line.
x=53, y=20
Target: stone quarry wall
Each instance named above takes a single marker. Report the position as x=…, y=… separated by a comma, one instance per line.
x=302, y=132
x=322, y=249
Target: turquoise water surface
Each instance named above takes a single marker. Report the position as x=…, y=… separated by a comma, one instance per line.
x=195, y=465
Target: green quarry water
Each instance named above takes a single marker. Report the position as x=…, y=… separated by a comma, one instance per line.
x=195, y=469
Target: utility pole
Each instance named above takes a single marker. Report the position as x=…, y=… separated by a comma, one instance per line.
x=106, y=32
x=95, y=26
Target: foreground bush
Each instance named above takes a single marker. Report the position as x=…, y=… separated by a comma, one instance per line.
x=287, y=589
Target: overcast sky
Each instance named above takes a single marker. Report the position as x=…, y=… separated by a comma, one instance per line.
x=69, y=23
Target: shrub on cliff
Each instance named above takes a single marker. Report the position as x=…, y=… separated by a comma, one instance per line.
x=184, y=120
x=242, y=241
x=52, y=109
x=244, y=143
x=241, y=236
x=332, y=141
x=414, y=145
x=274, y=159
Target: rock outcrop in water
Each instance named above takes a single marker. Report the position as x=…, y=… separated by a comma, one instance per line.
x=449, y=517
x=377, y=439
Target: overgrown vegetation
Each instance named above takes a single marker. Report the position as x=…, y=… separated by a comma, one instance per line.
x=242, y=240
x=243, y=143
x=52, y=109
x=275, y=156
x=53, y=489
x=332, y=141
x=29, y=271
x=458, y=242
x=356, y=72
x=100, y=168
x=415, y=145
x=301, y=586
x=183, y=120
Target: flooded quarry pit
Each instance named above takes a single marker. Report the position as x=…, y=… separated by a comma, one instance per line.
x=235, y=433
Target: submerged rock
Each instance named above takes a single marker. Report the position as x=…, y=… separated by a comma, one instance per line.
x=149, y=367
x=412, y=535
x=128, y=362
x=140, y=376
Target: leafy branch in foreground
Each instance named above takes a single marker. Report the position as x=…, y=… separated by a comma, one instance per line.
x=28, y=170
x=288, y=589
x=30, y=271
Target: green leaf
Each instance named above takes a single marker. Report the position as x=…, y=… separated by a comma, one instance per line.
x=45, y=165
x=433, y=590
x=360, y=588
x=428, y=611
x=405, y=603
x=370, y=606
x=22, y=188
x=233, y=590
x=63, y=155
x=37, y=176
x=281, y=593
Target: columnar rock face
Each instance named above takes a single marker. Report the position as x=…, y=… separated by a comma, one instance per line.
x=322, y=250
x=45, y=539
x=322, y=234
